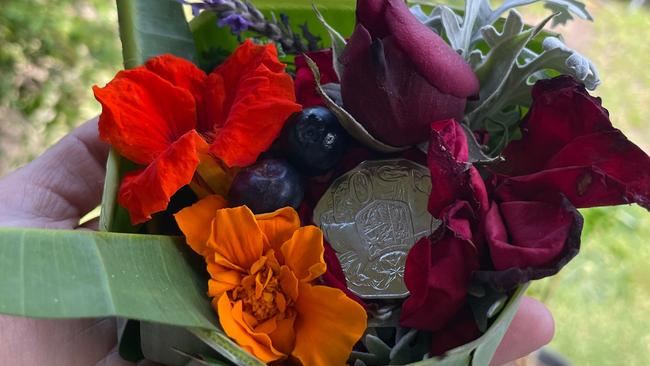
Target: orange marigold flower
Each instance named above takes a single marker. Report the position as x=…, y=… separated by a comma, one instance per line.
x=261, y=269
x=168, y=114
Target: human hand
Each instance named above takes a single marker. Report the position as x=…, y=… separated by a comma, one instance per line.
x=55, y=191
x=62, y=185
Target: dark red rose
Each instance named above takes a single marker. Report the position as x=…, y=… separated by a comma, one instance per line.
x=439, y=268
x=437, y=274
x=452, y=177
x=570, y=146
x=399, y=76
x=305, y=84
x=460, y=330
x=529, y=240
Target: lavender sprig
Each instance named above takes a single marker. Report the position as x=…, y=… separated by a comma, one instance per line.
x=242, y=15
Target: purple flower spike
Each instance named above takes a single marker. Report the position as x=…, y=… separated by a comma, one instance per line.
x=236, y=22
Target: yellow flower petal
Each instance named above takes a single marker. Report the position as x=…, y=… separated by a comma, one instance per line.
x=303, y=253
x=278, y=226
x=194, y=221
x=327, y=326
x=232, y=322
x=236, y=238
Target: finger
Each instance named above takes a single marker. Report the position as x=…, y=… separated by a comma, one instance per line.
x=55, y=342
x=60, y=186
x=531, y=328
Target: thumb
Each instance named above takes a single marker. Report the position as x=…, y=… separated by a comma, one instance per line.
x=60, y=186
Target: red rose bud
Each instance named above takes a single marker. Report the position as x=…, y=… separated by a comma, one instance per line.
x=570, y=146
x=306, y=85
x=400, y=76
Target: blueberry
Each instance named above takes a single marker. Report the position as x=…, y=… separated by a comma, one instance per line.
x=313, y=140
x=267, y=186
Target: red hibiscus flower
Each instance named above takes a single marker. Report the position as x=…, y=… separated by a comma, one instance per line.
x=167, y=113
x=400, y=76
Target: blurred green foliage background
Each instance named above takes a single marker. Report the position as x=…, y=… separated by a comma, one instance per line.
x=52, y=52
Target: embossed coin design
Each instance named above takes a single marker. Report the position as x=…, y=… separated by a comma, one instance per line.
x=372, y=216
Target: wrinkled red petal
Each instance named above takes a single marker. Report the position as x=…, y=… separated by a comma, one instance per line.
x=306, y=93
x=452, y=178
x=148, y=191
x=143, y=114
x=180, y=72
x=529, y=240
x=570, y=146
x=259, y=96
x=437, y=275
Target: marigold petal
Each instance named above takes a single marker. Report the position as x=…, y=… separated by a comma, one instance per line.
x=195, y=221
x=236, y=238
x=232, y=321
x=289, y=283
x=304, y=253
x=248, y=95
x=148, y=191
x=278, y=226
x=322, y=312
x=284, y=336
x=143, y=114
x=222, y=279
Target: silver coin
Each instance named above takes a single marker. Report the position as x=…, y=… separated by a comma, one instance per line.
x=372, y=216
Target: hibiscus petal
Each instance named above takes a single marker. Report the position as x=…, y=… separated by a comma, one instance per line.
x=180, y=72
x=143, y=114
x=194, y=221
x=322, y=312
x=278, y=226
x=147, y=191
x=231, y=318
x=437, y=275
x=236, y=239
x=303, y=253
x=248, y=95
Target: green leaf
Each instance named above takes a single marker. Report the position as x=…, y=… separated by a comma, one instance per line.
x=153, y=27
x=337, y=40
x=161, y=343
x=75, y=274
x=219, y=342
